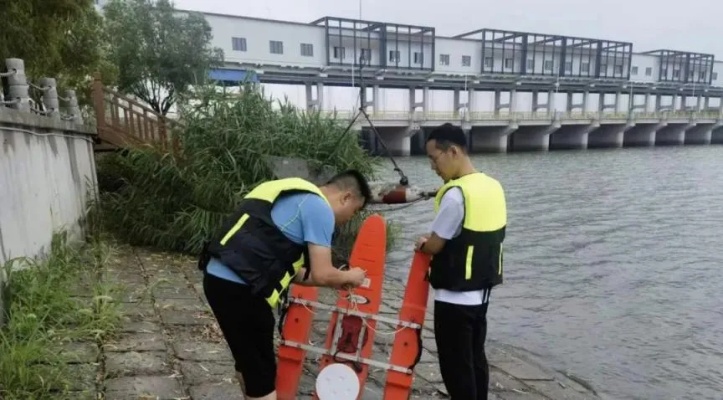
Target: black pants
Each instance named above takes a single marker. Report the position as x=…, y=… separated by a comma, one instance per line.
x=460, y=332
x=247, y=324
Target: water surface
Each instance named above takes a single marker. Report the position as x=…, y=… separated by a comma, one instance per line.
x=614, y=264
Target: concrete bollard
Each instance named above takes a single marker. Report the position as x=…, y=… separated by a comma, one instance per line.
x=72, y=106
x=50, y=97
x=18, y=85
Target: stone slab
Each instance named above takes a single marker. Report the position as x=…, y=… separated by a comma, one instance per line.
x=201, y=351
x=181, y=292
x=140, y=327
x=216, y=391
x=135, y=363
x=136, y=342
x=200, y=372
x=80, y=352
x=181, y=317
x=83, y=377
x=145, y=387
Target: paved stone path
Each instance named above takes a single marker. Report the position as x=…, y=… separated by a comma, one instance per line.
x=169, y=346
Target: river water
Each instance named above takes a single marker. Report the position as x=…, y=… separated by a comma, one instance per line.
x=613, y=262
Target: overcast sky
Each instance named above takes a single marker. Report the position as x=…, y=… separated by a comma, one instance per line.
x=690, y=25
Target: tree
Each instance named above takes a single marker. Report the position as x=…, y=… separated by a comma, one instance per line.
x=60, y=39
x=159, y=51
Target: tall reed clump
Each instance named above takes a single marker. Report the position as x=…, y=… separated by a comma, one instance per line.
x=42, y=315
x=175, y=201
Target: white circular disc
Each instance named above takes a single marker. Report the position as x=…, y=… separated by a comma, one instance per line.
x=337, y=382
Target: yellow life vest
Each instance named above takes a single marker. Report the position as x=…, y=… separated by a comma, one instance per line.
x=473, y=259
x=253, y=246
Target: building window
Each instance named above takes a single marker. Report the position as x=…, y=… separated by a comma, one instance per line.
x=508, y=63
x=339, y=53
x=238, y=44
x=466, y=61
x=703, y=74
x=585, y=67
x=418, y=58
x=366, y=56
x=531, y=65
x=648, y=71
x=715, y=76
x=394, y=56
x=548, y=65
x=568, y=66
x=307, y=50
x=276, y=47
x=444, y=59
x=691, y=75
x=618, y=70
x=604, y=69
x=489, y=62
x=634, y=70
x=676, y=73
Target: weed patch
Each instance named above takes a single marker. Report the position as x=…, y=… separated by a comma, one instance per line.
x=49, y=305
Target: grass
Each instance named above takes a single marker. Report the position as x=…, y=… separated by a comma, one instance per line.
x=43, y=314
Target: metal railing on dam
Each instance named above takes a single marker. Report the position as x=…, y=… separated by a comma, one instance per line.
x=532, y=117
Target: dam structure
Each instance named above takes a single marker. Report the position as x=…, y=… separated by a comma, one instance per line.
x=509, y=90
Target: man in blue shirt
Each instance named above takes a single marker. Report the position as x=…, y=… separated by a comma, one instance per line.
x=245, y=273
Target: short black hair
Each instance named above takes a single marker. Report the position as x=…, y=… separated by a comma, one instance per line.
x=447, y=135
x=352, y=180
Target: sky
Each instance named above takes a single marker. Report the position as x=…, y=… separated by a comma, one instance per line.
x=692, y=25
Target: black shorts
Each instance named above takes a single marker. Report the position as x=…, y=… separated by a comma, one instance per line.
x=247, y=323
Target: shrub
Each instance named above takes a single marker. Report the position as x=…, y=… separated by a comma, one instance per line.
x=175, y=201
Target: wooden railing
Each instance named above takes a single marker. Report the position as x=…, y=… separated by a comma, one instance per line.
x=123, y=122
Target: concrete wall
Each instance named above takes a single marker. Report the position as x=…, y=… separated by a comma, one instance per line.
x=46, y=169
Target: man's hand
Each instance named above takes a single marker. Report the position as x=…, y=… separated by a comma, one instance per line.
x=420, y=242
x=356, y=277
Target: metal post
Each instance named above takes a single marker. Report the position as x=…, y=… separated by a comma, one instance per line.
x=73, y=108
x=18, y=85
x=50, y=97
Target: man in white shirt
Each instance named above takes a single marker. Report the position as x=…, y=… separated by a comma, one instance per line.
x=466, y=242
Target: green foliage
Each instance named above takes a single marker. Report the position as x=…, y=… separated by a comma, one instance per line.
x=60, y=39
x=159, y=53
x=43, y=316
x=153, y=198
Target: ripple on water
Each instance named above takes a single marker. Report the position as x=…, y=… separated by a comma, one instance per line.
x=612, y=264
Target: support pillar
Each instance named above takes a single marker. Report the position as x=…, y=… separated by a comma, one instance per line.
x=617, y=102
x=533, y=138
x=647, y=102
x=572, y=137
x=700, y=134
x=50, y=98
x=472, y=103
x=551, y=102
x=490, y=140
x=18, y=90
x=456, y=103
x=608, y=136
x=673, y=134
x=320, y=95
x=425, y=102
x=642, y=135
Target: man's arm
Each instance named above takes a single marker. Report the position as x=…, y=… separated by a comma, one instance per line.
x=447, y=223
x=317, y=221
